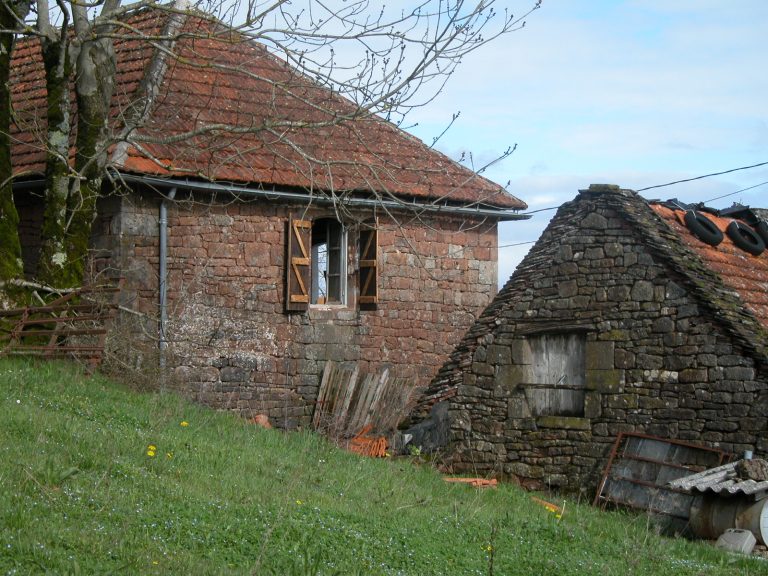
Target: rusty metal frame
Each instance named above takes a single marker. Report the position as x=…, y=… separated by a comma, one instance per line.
x=721, y=456
x=82, y=312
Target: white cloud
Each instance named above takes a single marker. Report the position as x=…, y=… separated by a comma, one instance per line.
x=633, y=92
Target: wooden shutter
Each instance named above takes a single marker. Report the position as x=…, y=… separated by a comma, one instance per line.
x=369, y=269
x=298, y=265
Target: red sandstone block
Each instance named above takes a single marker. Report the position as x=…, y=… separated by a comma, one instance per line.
x=238, y=271
x=272, y=238
x=223, y=250
x=256, y=255
x=481, y=253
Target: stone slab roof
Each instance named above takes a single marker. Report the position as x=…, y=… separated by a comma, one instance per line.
x=730, y=285
x=261, y=103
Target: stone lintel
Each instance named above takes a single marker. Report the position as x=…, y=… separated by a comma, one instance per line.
x=564, y=422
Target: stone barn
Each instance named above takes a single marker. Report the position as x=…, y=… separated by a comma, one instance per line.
x=281, y=238
x=626, y=316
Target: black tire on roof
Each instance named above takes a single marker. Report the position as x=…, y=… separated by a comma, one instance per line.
x=745, y=238
x=762, y=230
x=703, y=228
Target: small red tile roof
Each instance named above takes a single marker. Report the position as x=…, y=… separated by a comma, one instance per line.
x=744, y=273
x=220, y=79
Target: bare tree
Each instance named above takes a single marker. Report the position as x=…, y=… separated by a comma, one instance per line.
x=382, y=62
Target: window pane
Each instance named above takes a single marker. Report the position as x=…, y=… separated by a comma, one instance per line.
x=328, y=257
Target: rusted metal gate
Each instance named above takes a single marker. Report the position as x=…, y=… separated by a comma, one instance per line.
x=74, y=325
x=640, y=468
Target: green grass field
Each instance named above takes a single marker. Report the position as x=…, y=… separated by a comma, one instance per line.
x=97, y=479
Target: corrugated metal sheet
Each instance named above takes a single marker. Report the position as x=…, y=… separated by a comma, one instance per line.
x=722, y=480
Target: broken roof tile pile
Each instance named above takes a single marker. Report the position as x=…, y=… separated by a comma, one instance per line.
x=276, y=126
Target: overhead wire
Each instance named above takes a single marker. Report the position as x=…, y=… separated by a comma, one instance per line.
x=662, y=186
x=737, y=192
x=518, y=244
x=703, y=176
x=686, y=180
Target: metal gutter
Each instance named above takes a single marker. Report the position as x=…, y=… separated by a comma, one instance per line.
x=236, y=189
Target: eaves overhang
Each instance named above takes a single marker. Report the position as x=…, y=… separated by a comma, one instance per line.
x=499, y=214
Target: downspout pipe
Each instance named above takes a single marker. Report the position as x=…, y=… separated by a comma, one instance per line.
x=163, y=274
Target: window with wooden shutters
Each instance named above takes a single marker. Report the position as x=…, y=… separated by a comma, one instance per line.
x=329, y=262
x=298, y=275
x=369, y=269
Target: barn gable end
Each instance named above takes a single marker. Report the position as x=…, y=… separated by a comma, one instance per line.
x=615, y=322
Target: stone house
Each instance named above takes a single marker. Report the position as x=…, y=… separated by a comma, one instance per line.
x=620, y=319
x=255, y=255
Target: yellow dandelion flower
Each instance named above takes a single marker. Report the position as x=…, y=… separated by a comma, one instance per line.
x=299, y=502
x=152, y=447
x=151, y=453
x=183, y=423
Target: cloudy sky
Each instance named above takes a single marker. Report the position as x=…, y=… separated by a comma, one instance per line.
x=628, y=92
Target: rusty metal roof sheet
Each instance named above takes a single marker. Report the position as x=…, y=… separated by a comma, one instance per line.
x=266, y=106
x=722, y=480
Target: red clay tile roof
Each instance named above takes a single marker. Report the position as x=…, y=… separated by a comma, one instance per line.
x=219, y=79
x=739, y=270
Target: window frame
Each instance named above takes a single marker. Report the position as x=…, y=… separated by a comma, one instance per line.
x=336, y=240
x=359, y=291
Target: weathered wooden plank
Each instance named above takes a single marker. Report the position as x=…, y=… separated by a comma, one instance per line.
x=346, y=390
x=357, y=421
x=380, y=386
x=349, y=402
x=322, y=394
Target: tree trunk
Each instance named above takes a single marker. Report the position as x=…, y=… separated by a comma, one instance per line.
x=10, y=248
x=54, y=257
x=94, y=86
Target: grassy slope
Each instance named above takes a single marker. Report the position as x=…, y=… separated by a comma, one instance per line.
x=79, y=494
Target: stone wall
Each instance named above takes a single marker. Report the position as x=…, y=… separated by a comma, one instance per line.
x=230, y=340
x=656, y=361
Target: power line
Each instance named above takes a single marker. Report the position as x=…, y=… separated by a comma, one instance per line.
x=540, y=210
x=737, y=191
x=662, y=186
x=704, y=176
x=518, y=244
x=705, y=201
